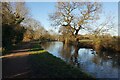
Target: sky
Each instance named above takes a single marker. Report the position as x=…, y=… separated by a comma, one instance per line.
x=41, y=10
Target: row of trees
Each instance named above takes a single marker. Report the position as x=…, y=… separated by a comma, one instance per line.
x=12, y=31
x=18, y=25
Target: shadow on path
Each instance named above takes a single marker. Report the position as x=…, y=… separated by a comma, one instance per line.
x=16, y=64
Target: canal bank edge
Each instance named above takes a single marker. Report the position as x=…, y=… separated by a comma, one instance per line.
x=49, y=66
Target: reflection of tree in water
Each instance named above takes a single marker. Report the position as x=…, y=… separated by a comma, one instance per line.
x=96, y=59
x=67, y=54
x=47, y=45
x=66, y=51
x=74, y=57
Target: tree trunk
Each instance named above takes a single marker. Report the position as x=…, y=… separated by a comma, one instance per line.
x=77, y=30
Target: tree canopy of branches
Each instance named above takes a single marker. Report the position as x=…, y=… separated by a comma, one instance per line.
x=73, y=16
x=12, y=30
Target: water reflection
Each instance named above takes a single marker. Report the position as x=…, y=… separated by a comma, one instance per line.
x=74, y=56
x=100, y=65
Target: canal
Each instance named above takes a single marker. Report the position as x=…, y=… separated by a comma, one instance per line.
x=99, y=65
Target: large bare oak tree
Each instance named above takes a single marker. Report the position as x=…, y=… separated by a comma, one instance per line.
x=73, y=16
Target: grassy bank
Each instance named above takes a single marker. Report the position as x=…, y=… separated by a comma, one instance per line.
x=102, y=43
x=45, y=65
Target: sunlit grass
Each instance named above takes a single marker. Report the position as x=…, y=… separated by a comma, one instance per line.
x=34, y=49
x=38, y=52
x=85, y=40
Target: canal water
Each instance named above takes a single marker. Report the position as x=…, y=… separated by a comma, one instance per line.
x=99, y=65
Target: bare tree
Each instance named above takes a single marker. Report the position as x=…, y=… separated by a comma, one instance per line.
x=102, y=27
x=73, y=16
x=101, y=30
x=7, y=17
x=21, y=11
x=14, y=13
